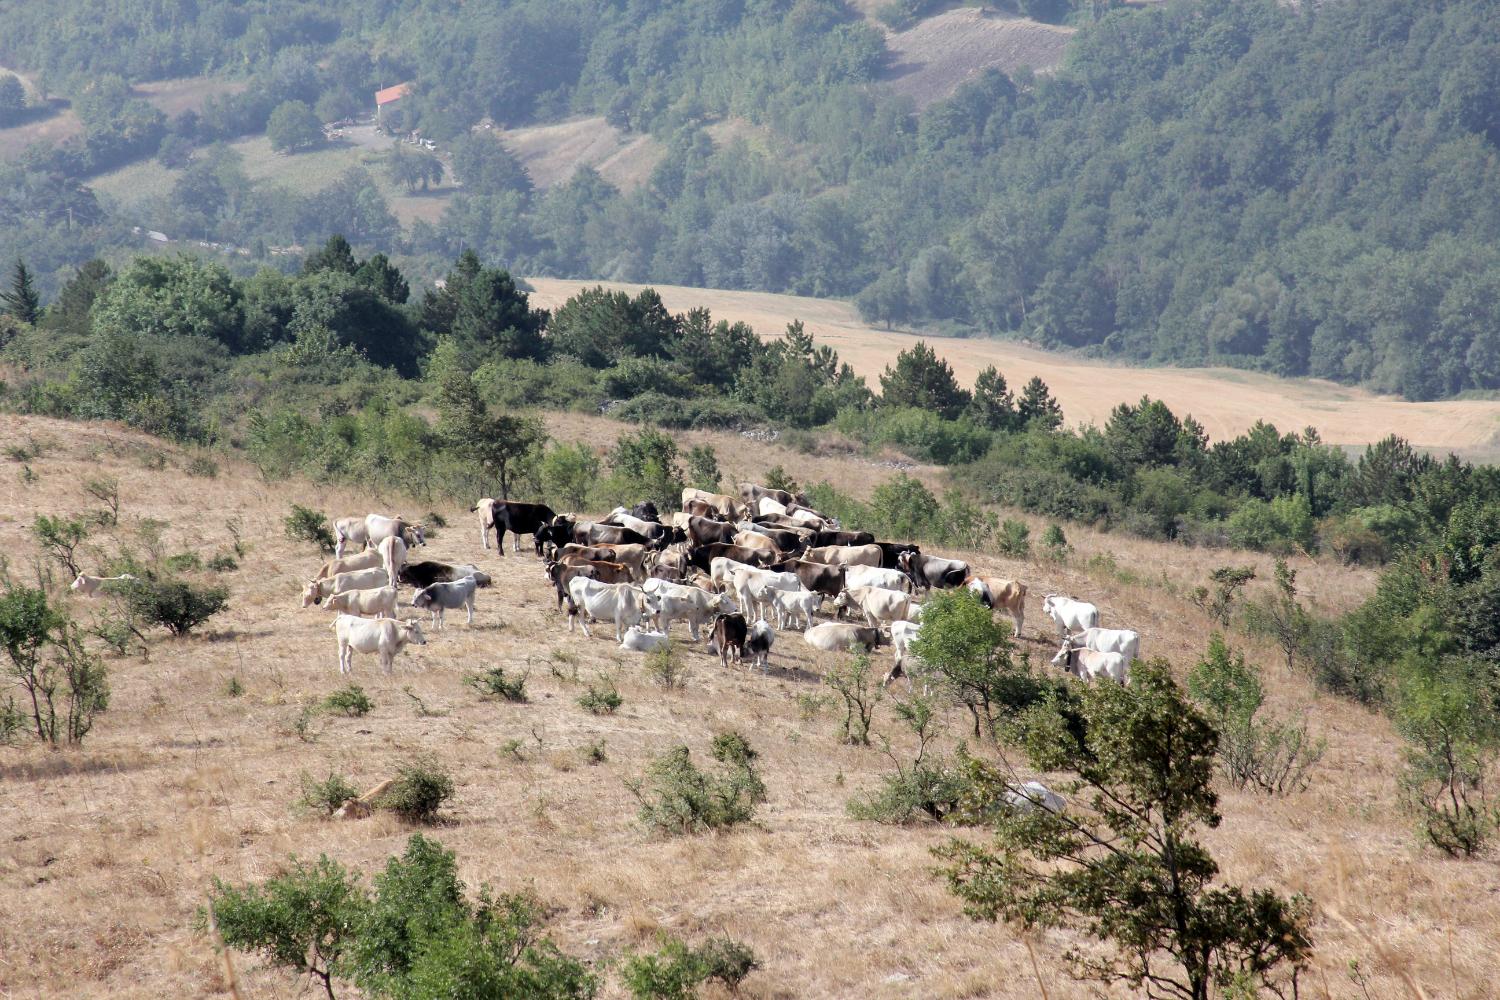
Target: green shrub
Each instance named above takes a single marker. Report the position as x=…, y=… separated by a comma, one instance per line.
x=674, y=971
x=223, y=563
x=203, y=467
x=60, y=538
x=351, y=701
x=928, y=786
x=184, y=562
x=677, y=797
x=306, y=525
x=594, y=752
x=176, y=605
x=1283, y=525
x=601, y=699
x=666, y=667
x=420, y=789
x=1055, y=544
x=326, y=796
x=1014, y=540
x=494, y=684
x=854, y=681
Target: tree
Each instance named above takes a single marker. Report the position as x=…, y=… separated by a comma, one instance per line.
x=22, y=300
x=484, y=166
x=570, y=472
x=171, y=298
x=1036, y=407
x=383, y=278
x=1227, y=581
x=961, y=643
x=12, y=99
x=411, y=169
x=646, y=468
x=923, y=381
x=993, y=405
x=494, y=443
x=1282, y=618
x=28, y=625
x=703, y=468
x=71, y=312
x=293, y=126
x=494, y=318
x=1126, y=868
x=334, y=255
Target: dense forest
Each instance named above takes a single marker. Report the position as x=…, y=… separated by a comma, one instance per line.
x=1309, y=190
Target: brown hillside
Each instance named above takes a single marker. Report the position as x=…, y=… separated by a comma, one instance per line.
x=109, y=850
x=552, y=152
x=1226, y=401
x=933, y=58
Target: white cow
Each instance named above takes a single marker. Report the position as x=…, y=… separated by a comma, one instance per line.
x=1124, y=641
x=624, y=519
x=485, y=508
x=369, y=530
x=837, y=636
x=643, y=641
x=384, y=636
x=758, y=645
x=696, y=607
x=367, y=559
x=880, y=606
x=621, y=603
x=794, y=607
x=442, y=597
x=875, y=576
x=902, y=634
x=393, y=557
x=87, y=586
x=721, y=570
x=1033, y=795
x=378, y=601
x=1070, y=615
x=317, y=591
x=1090, y=664
x=754, y=587
x=765, y=505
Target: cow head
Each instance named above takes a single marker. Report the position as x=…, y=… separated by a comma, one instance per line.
x=311, y=594
x=1065, y=655
x=413, y=535
x=841, y=601
x=413, y=632
x=422, y=599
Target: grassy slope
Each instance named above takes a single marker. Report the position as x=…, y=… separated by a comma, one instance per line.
x=1226, y=401
x=110, y=849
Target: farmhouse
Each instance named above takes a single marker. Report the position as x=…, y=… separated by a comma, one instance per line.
x=389, y=96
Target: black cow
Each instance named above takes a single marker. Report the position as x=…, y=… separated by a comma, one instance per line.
x=729, y=632
x=830, y=537
x=517, y=518
x=646, y=511
x=426, y=573
x=786, y=541
x=703, y=556
x=927, y=572
x=817, y=577
x=890, y=553
x=704, y=531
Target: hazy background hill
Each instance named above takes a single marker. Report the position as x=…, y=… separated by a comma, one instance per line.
x=1308, y=189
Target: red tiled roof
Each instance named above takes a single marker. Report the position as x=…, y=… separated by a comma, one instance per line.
x=390, y=94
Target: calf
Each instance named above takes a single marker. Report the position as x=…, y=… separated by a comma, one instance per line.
x=833, y=637
x=643, y=641
x=999, y=593
x=1124, y=641
x=794, y=607
x=513, y=516
x=383, y=636
x=880, y=606
x=730, y=632
x=758, y=645
x=365, y=579
x=694, y=606
x=87, y=586
x=379, y=602
x=1090, y=664
x=442, y=597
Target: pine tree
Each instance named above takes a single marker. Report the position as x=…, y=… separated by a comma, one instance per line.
x=993, y=405
x=1037, y=406
x=22, y=300
x=923, y=381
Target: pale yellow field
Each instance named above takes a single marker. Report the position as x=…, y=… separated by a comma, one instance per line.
x=110, y=849
x=933, y=58
x=551, y=153
x=1226, y=401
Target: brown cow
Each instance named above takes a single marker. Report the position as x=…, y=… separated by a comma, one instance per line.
x=998, y=593
x=730, y=632
x=820, y=578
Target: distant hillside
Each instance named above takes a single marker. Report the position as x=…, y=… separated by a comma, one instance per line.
x=932, y=59
x=551, y=153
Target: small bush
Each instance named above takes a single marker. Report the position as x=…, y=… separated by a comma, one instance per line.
x=494, y=684
x=351, y=701
x=665, y=666
x=1014, y=539
x=677, y=797
x=185, y=562
x=324, y=797
x=60, y=538
x=855, y=683
x=203, y=467
x=601, y=699
x=177, y=606
x=1055, y=544
x=105, y=489
x=674, y=971
x=306, y=525
x=594, y=752
x=234, y=688
x=420, y=789
x=223, y=563
x=12, y=721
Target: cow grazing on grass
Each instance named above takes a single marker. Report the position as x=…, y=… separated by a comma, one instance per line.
x=379, y=602
x=694, y=606
x=383, y=636
x=621, y=603
x=442, y=597
x=317, y=591
x=1000, y=594
x=370, y=530
x=758, y=645
x=87, y=586
x=513, y=516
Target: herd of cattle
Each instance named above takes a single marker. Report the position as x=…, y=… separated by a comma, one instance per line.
x=725, y=566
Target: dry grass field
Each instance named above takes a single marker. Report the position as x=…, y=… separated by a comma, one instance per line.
x=108, y=850
x=551, y=153
x=1226, y=401
x=933, y=58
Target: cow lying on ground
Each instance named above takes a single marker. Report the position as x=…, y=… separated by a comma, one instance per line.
x=383, y=636
x=87, y=586
x=442, y=597
x=379, y=602
x=426, y=573
x=643, y=641
x=1033, y=795
x=833, y=637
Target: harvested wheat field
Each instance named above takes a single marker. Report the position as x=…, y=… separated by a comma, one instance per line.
x=551, y=153
x=933, y=58
x=1226, y=401
x=110, y=849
